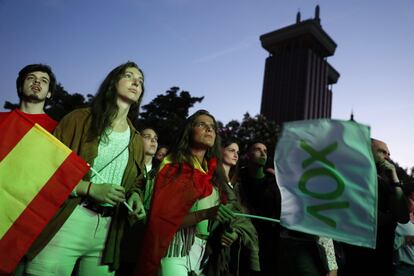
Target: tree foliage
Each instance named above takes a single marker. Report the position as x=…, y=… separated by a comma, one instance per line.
x=166, y=113
x=62, y=103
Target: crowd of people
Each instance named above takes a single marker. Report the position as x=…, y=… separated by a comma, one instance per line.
x=186, y=200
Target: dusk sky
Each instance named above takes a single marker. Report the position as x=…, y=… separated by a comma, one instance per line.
x=212, y=48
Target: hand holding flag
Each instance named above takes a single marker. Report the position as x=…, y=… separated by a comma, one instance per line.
x=134, y=200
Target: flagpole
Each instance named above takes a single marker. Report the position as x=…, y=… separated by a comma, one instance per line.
x=256, y=217
x=104, y=181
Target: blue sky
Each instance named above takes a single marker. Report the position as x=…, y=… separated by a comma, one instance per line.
x=212, y=49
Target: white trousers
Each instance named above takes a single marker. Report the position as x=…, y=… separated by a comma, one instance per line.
x=180, y=266
x=82, y=237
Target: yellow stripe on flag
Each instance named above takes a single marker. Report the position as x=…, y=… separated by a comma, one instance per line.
x=26, y=169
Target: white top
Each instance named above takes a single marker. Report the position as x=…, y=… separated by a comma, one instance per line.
x=405, y=251
x=110, y=167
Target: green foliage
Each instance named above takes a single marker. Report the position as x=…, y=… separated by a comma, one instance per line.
x=62, y=103
x=166, y=113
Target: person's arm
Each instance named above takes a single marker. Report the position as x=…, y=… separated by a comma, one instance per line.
x=229, y=236
x=398, y=201
x=195, y=217
x=399, y=240
x=136, y=148
x=329, y=248
x=135, y=193
x=220, y=213
x=135, y=202
x=101, y=193
x=72, y=131
x=399, y=205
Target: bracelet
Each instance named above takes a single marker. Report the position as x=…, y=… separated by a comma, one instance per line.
x=89, y=188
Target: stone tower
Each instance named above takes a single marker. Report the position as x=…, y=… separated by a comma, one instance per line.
x=298, y=79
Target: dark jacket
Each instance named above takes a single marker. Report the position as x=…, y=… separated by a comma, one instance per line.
x=243, y=255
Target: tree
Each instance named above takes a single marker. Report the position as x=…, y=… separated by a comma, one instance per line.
x=167, y=113
x=62, y=103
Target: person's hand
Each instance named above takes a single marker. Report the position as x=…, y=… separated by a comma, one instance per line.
x=386, y=165
x=228, y=238
x=107, y=193
x=220, y=213
x=138, y=210
x=389, y=168
x=224, y=214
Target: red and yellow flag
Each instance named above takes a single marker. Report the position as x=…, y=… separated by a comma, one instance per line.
x=37, y=174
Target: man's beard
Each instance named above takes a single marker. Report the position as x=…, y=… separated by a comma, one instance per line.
x=32, y=98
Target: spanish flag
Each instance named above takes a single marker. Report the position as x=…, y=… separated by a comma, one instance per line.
x=37, y=174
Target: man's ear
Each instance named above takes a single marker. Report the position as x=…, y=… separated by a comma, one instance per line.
x=48, y=95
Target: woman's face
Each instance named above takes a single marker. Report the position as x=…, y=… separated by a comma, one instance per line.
x=161, y=153
x=231, y=154
x=204, y=132
x=129, y=87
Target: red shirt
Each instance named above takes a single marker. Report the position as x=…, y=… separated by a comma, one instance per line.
x=42, y=119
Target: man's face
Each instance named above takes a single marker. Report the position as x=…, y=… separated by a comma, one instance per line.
x=36, y=87
x=150, y=139
x=204, y=132
x=258, y=154
x=380, y=151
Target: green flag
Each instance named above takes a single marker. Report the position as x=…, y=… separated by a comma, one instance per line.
x=327, y=177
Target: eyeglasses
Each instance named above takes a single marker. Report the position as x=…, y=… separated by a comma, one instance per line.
x=205, y=126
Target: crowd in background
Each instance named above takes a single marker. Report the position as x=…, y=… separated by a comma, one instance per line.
x=186, y=200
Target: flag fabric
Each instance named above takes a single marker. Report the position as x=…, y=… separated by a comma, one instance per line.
x=37, y=174
x=181, y=188
x=328, y=181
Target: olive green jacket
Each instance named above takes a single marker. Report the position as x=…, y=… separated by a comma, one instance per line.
x=72, y=131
